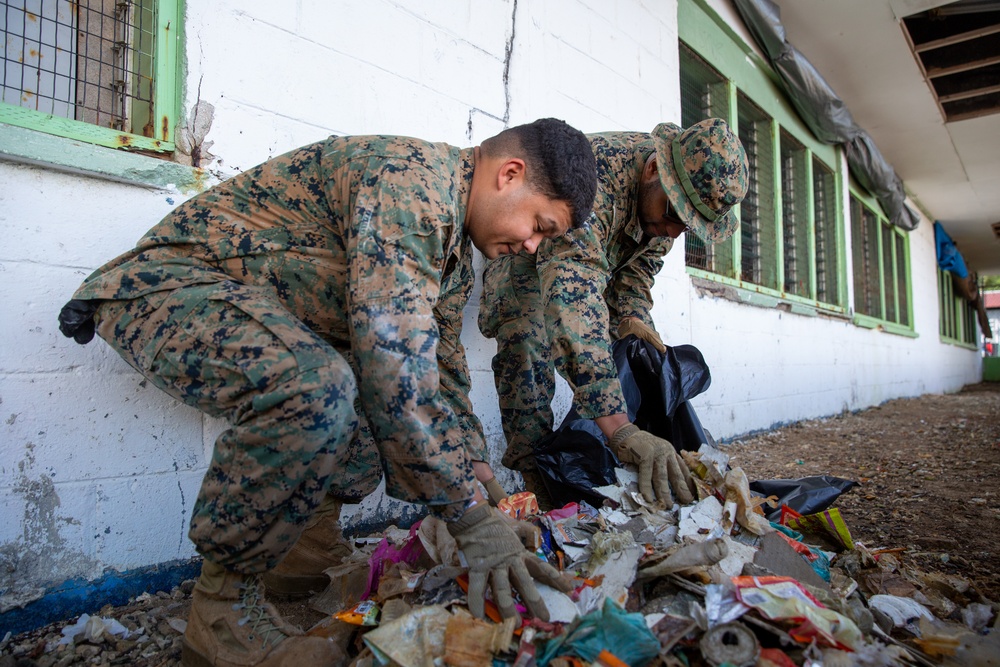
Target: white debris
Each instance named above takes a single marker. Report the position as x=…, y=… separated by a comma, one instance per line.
x=93, y=628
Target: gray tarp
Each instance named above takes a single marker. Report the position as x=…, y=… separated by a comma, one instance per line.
x=824, y=112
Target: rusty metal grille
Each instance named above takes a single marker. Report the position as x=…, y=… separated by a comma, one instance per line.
x=825, y=213
x=704, y=94
x=902, y=280
x=88, y=60
x=890, y=288
x=758, y=249
x=795, y=216
x=864, y=243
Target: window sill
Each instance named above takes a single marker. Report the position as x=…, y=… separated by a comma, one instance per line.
x=709, y=284
x=959, y=343
x=869, y=322
x=18, y=144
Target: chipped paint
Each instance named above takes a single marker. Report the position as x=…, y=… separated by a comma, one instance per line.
x=40, y=555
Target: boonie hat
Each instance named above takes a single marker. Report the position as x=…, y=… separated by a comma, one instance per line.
x=703, y=170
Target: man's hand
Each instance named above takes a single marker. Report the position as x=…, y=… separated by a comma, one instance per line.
x=633, y=325
x=494, y=552
x=661, y=469
x=76, y=320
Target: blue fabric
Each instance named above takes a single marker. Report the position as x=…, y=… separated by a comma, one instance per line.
x=948, y=256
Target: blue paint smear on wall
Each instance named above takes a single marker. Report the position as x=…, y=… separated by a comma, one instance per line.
x=74, y=597
x=71, y=598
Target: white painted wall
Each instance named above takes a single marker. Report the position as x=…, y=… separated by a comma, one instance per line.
x=98, y=471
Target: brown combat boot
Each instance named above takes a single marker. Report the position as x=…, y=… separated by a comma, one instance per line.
x=231, y=625
x=321, y=546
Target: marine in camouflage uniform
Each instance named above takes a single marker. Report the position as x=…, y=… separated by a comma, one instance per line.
x=320, y=289
x=560, y=309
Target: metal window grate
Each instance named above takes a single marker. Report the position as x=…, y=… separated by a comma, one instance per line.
x=86, y=60
x=758, y=252
x=901, y=281
x=704, y=94
x=795, y=216
x=888, y=272
x=864, y=242
x=825, y=217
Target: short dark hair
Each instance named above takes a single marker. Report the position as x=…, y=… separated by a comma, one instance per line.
x=559, y=158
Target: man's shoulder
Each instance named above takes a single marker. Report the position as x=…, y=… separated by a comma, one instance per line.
x=433, y=155
x=619, y=141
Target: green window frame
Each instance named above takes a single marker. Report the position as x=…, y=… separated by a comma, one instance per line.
x=103, y=72
x=958, y=323
x=881, y=258
x=789, y=245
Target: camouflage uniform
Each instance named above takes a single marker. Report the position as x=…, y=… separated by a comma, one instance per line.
x=318, y=290
x=560, y=308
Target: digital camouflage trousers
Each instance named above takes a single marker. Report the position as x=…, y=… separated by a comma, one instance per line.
x=290, y=398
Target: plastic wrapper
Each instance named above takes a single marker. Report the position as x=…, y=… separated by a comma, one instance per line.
x=519, y=505
x=414, y=640
x=385, y=554
x=828, y=522
x=363, y=613
x=785, y=599
x=610, y=628
x=93, y=629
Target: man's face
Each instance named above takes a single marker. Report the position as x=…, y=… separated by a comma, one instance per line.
x=517, y=218
x=656, y=216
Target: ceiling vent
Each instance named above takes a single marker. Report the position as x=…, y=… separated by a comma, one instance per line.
x=958, y=48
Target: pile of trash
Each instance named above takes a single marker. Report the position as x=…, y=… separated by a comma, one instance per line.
x=739, y=577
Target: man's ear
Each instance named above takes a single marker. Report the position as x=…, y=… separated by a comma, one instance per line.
x=512, y=171
x=650, y=169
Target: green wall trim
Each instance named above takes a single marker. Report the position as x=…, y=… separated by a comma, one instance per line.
x=957, y=343
x=18, y=144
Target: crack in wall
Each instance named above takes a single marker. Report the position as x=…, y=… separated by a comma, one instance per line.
x=508, y=53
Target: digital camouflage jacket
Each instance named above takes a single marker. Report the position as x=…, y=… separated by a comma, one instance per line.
x=362, y=239
x=596, y=275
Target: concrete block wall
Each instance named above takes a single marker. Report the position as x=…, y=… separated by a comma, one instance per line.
x=98, y=470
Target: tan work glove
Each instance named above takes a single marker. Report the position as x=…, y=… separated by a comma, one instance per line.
x=494, y=491
x=494, y=552
x=633, y=325
x=661, y=469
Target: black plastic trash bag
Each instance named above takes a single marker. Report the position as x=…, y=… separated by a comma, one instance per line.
x=573, y=460
x=667, y=382
x=806, y=495
x=657, y=388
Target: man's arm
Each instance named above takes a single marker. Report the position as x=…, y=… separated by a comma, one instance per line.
x=452, y=364
x=633, y=283
x=573, y=272
x=632, y=289
x=397, y=255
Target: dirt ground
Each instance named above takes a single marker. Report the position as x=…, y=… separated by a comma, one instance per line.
x=929, y=474
x=929, y=483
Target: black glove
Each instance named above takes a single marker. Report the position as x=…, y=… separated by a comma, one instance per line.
x=76, y=320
